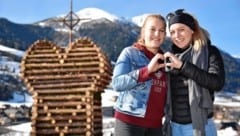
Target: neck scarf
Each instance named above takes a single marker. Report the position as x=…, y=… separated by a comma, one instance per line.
x=200, y=100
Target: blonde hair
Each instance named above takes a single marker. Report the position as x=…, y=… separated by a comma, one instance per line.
x=156, y=16
x=200, y=36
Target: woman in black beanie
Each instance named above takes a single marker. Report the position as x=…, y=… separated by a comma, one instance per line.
x=197, y=70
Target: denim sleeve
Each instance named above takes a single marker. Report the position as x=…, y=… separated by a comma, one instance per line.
x=125, y=75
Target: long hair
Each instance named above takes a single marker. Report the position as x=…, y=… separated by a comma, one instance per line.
x=200, y=36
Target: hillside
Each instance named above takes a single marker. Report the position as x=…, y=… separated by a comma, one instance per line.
x=232, y=67
x=110, y=33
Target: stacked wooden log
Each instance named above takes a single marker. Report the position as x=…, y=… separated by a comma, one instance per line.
x=66, y=84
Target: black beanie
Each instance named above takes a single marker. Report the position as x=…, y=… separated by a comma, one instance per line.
x=180, y=17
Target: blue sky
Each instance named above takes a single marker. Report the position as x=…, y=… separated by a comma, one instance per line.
x=220, y=18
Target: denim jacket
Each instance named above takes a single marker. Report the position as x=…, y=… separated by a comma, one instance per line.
x=133, y=95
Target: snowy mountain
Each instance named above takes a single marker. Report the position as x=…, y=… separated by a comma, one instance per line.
x=11, y=51
x=237, y=57
x=84, y=15
x=138, y=20
x=95, y=13
x=109, y=32
x=7, y=62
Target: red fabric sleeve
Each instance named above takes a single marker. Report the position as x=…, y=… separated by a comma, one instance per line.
x=144, y=75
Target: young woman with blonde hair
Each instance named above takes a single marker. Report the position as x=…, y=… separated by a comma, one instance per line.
x=197, y=72
x=140, y=79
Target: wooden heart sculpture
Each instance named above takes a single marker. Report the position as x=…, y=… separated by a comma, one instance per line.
x=66, y=84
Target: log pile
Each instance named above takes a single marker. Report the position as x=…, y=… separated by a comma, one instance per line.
x=66, y=85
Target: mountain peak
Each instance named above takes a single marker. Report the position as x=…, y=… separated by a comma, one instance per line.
x=95, y=13
x=138, y=20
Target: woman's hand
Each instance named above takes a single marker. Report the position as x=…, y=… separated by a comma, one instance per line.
x=156, y=63
x=174, y=62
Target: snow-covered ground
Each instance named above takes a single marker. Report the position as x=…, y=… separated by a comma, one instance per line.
x=24, y=129
x=108, y=99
